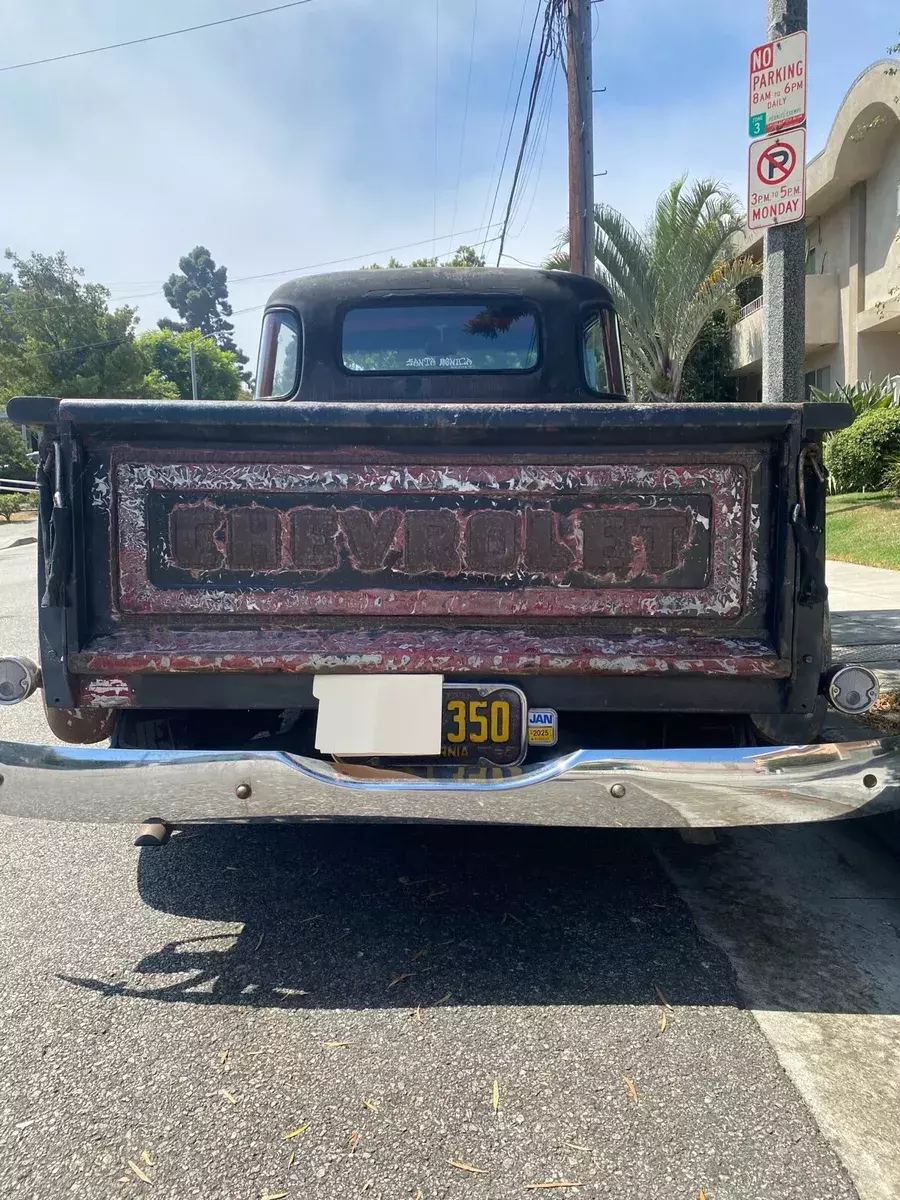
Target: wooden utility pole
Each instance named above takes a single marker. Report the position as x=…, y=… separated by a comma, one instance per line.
x=784, y=268
x=581, y=136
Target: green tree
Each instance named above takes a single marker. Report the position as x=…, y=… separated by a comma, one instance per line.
x=199, y=294
x=707, y=377
x=58, y=336
x=14, y=463
x=670, y=279
x=218, y=372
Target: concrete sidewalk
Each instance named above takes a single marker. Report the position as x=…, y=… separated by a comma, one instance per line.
x=865, y=618
x=15, y=531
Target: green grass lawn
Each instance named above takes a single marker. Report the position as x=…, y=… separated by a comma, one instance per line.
x=864, y=527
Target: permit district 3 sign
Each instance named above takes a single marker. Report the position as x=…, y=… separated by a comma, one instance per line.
x=776, y=194
x=778, y=85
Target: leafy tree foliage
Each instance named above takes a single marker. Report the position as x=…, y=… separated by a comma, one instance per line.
x=199, y=294
x=58, y=336
x=668, y=280
x=707, y=378
x=13, y=461
x=218, y=372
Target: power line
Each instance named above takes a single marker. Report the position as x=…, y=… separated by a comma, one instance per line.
x=465, y=121
x=512, y=124
x=437, y=95
x=334, y=262
x=509, y=88
x=155, y=37
x=545, y=53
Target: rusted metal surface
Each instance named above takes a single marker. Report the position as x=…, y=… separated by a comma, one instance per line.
x=516, y=652
x=622, y=538
x=84, y=726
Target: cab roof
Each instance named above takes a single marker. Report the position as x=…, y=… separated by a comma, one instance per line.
x=561, y=301
x=541, y=287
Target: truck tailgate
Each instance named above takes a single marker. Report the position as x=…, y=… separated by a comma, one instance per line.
x=623, y=540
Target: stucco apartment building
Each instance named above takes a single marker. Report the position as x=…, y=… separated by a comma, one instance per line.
x=853, y=248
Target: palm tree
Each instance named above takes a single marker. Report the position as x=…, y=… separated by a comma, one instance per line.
x=668, y=281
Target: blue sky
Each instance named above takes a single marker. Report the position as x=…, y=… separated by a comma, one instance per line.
x=309, y=135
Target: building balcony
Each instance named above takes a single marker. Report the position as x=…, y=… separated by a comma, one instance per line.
x=823, y=324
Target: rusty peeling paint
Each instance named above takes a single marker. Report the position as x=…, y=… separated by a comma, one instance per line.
x=514, y=652
x=105, y=692
x=617, y=552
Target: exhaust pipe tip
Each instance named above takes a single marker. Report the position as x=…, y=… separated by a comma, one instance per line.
x=19, y=679
x=852, y=690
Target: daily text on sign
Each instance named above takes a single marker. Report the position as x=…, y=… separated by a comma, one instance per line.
x=777, y=180
x=778, y=73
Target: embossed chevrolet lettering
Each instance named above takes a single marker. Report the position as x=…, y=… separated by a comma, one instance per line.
x=617, y=540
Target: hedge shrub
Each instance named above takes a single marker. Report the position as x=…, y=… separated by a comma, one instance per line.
x=10, y=503
x=858, y=457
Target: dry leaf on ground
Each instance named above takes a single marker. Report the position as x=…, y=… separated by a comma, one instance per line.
x=632, y=1088
x=229, y=1096
x=223, y=1057
x=332, y=1045
x=575, y=1146
x=372, y=1104
x=553, y=1183
x=443, y=1000
x=292, y=1133
x=662, y=999
x=145, y=1158
x=461, y=1166
x=142, y=1175
x=274, y=1196
x=495, y=1096
x=663, y=1021
x=353, y=1141
x=400, y=978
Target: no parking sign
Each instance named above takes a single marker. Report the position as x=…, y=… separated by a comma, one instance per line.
x=777, y=180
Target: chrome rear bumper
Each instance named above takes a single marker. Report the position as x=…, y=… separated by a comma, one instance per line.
x=651, y=789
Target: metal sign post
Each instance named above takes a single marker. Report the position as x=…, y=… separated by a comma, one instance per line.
x=784, y=255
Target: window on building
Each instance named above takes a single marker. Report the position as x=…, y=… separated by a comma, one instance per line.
x=819, y=379
x=811, y=260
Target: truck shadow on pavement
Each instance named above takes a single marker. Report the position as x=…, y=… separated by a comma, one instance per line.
x=387, y=916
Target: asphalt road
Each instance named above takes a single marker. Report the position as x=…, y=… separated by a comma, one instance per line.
x=540, y=1005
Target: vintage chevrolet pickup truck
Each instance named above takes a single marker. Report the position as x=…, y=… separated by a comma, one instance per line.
x=441, y=569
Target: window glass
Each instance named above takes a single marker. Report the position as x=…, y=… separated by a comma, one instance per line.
x=492, y=336
x=602, y=354
x=279, y=355
x=819, y=379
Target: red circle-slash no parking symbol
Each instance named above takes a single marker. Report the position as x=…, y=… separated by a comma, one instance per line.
x=776, y=163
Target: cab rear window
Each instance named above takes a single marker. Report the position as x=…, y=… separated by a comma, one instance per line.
x=441, y=337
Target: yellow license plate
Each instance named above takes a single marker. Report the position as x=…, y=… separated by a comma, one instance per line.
x=483, y=723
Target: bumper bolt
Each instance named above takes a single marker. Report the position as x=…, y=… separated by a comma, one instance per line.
x=617, y=790
x=243, y=791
